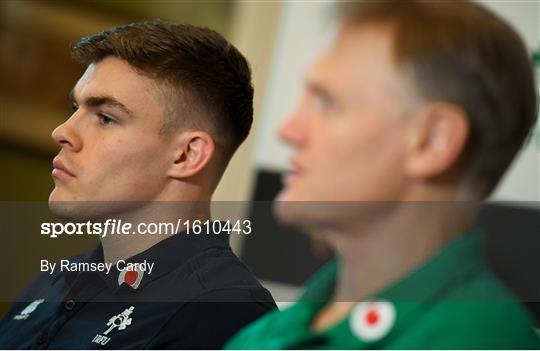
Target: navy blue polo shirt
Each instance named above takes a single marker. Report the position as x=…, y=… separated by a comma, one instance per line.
x=197, y=296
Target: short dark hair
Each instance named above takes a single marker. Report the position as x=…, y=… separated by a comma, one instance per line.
x=209, y=77
x=460, y=52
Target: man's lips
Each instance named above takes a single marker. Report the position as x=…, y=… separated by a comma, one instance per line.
x=288, y=177
x=60, y=171
x=292, y=174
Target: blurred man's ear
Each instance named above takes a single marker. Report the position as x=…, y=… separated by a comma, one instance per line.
x=192, y=153
x=436, y=138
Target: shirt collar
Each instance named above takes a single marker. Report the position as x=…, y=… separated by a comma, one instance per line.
x=461, y=257
x=166, y=255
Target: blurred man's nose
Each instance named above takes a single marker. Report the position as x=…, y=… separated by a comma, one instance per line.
x=293, y=129
x=67, y=135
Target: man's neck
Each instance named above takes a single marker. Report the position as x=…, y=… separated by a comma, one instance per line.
x=375, y=255
x=168, y=218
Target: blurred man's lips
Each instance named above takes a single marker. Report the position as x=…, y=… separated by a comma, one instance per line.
x=60, y=171
x=289, y=176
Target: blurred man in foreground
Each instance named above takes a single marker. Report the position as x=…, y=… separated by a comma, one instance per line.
x=408, y=120
x=156, y=118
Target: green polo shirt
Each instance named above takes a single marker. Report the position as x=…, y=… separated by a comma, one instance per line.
x=451, y=302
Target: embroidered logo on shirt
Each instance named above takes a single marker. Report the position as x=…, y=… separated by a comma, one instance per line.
x=130, y=277
x=29, y=309
x=120, y=321
x=372, y=320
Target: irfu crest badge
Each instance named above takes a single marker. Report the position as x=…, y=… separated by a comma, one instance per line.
x=120, y=321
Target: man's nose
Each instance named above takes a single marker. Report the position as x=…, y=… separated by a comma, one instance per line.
x=67, y=135
x=293, y=129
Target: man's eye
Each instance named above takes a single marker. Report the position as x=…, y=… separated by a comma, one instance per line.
x=74, y=107
x=325, y=101
x=105, y=120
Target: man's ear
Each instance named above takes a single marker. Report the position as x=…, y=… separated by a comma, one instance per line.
x=192, y=152
x=436, y=138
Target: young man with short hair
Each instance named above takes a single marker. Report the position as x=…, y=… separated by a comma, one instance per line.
x=157, y=116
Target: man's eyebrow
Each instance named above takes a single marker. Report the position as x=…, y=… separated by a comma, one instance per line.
x=96, y=101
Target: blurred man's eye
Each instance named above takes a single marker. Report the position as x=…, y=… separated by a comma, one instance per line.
x=74, y=107
x=324, y=101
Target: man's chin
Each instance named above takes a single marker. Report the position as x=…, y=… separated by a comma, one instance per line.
x=68, y=206
x=297, y=210
x=69, y=210
x=288, y=209
x=72, y=208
